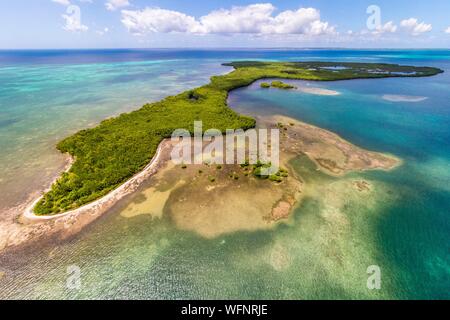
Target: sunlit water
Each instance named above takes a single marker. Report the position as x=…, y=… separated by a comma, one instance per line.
x=323, y=251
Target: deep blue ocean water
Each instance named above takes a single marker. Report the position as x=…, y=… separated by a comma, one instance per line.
x=405, y=229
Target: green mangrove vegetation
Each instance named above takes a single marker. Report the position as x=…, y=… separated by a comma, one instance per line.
x=118, y=148
x=277, y=84
x=282, y=85
x=257, y=168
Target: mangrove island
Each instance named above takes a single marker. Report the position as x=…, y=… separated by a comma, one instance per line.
x=108, y=155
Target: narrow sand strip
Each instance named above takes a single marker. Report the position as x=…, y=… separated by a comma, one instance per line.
x=318, y=91
x=403, y=98
x=108, y=200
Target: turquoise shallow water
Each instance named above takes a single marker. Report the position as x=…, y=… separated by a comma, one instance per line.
x=412, y=231
x=322, y=252
x=42, y=103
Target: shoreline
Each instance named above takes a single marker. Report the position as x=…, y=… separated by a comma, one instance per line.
x=110, y=199
x=27, y=226
x=331, y=153
x=207, y=102
x=107, y=201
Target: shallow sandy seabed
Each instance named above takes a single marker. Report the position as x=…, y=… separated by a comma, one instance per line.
x=318, y=91
x=403, y=98
x=211, y=201
x=248, y=204
x=227, y=205
x=20, y=225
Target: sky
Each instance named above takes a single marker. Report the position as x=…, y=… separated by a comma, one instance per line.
x=54, y=24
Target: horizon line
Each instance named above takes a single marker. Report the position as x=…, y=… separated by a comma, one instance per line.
x=223, y=48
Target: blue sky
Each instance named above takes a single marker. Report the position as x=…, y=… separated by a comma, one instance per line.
x=212, y=23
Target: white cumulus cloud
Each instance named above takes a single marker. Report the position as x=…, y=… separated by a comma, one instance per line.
x=301, y=21
x=158, y=20
x=63, y=2
x=413, y=26
x=251, y=19
x=447, y=30
x=113, y=5
x=388, y=27
x=68, y=3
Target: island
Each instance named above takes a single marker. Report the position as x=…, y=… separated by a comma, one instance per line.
x=277, y=84
x=107, y=156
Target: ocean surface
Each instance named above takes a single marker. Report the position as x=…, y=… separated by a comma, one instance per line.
x=323, y=251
